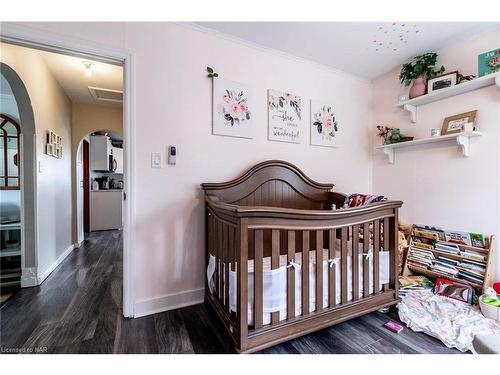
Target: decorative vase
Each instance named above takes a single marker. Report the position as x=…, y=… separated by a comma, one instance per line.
x=418, y=88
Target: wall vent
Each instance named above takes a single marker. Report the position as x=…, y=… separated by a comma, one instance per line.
x=106, y=95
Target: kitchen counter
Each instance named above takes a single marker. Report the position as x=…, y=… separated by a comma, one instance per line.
x=106, y=209
x=105, y=190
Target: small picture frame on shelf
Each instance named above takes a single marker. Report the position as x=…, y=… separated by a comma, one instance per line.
x=442, y=81
x=455, y=124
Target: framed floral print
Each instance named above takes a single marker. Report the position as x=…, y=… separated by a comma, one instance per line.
x=284, y=116
x=232, y=109
x=324, y=125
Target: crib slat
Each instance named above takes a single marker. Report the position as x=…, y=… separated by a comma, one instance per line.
x=343, y=261
x=305, y=272
x=232, y=248
x=242, y=283
x=355, y=262
x=218, y=250
x=366, y=265
x=291, y=277
x=210, y=236
x=319, y=270
x=376, y=248
x=258, y=275
x=331, y=270
x=275, y=263
x=386, y=242
x=225, y=258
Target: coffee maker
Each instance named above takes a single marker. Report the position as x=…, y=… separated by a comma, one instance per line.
x=103, y=182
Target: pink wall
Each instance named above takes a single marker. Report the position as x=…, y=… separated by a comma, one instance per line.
x=173, y=107
x=437, y=184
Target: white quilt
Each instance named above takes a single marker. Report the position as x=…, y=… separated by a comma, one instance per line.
x=453, y=322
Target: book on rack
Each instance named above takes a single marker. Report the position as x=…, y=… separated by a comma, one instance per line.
x=445, y=269
x=478, y=240
x=471, y=273
x=470, y=278
x=422, y=243
x=447, y=247
x=422, y=252
x=447, y=261
x=462, y=238
x=471, y=254
x=473, y=265
x=430, y=231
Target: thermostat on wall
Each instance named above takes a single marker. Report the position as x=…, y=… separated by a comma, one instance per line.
x=172, y=153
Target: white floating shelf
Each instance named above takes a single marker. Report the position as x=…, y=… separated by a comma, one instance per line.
x=412, y=104
x=462, y=139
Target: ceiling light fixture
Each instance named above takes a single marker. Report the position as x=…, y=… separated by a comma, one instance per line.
x=88, y=68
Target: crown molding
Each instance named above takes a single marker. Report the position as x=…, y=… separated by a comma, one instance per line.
x=273, y=51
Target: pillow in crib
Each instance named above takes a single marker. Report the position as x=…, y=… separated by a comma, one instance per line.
x=357, y=199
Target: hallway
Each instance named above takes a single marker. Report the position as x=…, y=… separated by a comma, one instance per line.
x=77, y=309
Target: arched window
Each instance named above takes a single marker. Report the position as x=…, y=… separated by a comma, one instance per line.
x=9, y=153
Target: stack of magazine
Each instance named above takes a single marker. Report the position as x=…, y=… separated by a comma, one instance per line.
x=414, y=284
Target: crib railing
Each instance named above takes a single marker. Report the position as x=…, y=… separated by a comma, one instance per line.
x=237, y=235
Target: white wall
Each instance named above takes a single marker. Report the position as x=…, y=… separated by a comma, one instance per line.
x=173, y=107
x=437, y=184
x=52, y=111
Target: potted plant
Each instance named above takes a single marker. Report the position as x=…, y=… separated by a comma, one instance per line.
x=417, y=71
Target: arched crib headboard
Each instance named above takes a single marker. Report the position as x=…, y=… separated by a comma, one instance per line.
x=273, y=183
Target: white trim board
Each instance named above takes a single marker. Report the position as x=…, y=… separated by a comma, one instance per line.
x=169, y=302
x=41, y=277
x=29, y=37
x=28, y=277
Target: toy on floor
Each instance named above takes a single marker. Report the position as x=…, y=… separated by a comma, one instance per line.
x=393, y=326
x=489, y=303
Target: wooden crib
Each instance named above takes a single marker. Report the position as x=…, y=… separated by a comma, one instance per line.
x=273, y=210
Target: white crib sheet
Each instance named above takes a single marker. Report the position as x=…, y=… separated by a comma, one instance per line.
x=275, y=282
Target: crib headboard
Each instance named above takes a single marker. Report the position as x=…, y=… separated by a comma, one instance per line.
x=272, y=183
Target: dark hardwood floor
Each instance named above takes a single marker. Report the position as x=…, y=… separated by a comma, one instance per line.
x=77, y=309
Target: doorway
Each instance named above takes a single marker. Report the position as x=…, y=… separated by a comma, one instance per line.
x=24, y=36
x=100, y=193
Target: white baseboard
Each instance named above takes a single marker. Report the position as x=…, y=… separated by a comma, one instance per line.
x=77, y=245
x=52, y=267
x=28, y=277
x=169, y=302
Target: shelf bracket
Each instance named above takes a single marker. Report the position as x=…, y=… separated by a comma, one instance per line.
x=390, y=152
x=464, y=142
x=497, y=81
x=413, y=112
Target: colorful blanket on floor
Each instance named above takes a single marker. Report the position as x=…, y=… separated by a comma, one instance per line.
x=453, y=322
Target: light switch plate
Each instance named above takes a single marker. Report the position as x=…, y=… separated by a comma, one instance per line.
x=40, y=167
x=155, y=160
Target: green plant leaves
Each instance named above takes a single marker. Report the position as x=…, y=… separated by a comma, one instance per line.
x=420, y=66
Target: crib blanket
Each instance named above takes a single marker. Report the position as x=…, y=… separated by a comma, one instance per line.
x=453, y=322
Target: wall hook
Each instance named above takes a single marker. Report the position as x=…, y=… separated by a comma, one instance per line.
x=211, y=73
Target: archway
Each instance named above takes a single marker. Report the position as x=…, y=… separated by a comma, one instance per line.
x=83, y=177
x=27, y=142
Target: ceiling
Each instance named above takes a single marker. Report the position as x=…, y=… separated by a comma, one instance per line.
x=69, y=71
x=366, y=49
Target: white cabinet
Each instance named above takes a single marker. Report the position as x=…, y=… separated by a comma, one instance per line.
x=106, y=209
x=101, y=151
x=117, y=160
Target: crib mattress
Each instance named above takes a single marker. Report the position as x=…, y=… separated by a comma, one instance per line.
x=275, y=282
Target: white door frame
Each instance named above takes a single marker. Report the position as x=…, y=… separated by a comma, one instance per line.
x=25, y=36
